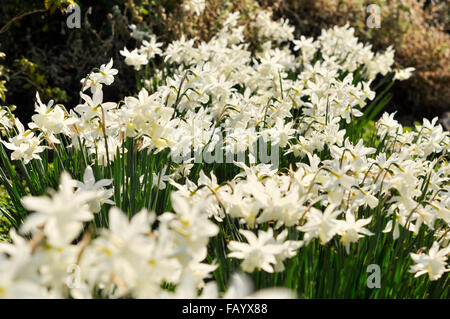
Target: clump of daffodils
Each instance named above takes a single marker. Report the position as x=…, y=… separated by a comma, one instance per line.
x=300, y=97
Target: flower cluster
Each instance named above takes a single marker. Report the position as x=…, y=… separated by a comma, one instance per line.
x=302, y=97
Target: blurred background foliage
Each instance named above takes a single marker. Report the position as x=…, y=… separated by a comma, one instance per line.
x=43, y=54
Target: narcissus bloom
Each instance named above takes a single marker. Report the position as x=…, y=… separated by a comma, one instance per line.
x=262, y=251
x=89, y=185
x=134, y=58
x=323, y=225
x=433, y=263
x=351, y=230
x=62, y=215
